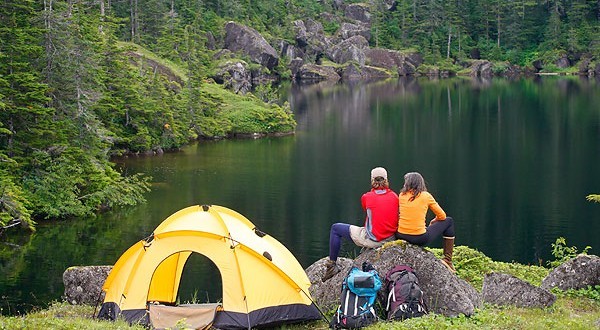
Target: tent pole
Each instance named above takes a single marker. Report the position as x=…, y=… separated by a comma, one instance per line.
x=318, y=308
x=97, y=303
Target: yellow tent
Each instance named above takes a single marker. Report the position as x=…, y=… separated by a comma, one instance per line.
x=263, y=283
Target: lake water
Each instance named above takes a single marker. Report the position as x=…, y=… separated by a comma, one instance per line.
x=511, y=161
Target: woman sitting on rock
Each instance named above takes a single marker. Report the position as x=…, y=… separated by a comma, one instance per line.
x=414, y=203
x=381, y=206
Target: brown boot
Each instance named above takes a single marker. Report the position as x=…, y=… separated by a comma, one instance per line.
x=331, y=268
x=448, y=250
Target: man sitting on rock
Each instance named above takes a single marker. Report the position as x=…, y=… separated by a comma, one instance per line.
x=381, y=222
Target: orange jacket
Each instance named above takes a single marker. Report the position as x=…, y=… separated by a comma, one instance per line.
x=412, y=214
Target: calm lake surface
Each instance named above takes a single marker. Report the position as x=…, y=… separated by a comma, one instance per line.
x=511, y=161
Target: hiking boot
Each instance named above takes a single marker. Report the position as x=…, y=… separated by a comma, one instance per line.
x=331, y=268
x=448, y=251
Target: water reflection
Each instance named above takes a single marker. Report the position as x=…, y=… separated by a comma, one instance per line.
x=511, y=161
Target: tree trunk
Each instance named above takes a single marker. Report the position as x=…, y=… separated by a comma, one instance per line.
x=498, y=26
x=449, y=42
x=459, y=49
x=48, y=36
x=172, y=14
x=101, y=15
x=133, y=19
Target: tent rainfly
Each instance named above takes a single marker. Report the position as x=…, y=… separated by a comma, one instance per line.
x=263, y=283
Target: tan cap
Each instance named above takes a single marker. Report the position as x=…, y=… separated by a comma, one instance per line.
x=378, y=171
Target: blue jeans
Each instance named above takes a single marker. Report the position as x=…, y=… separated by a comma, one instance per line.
x=337, y=232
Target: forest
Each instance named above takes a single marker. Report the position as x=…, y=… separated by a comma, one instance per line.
x=77, y=84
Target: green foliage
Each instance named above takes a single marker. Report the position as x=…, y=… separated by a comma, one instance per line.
x=248, y=114
x=65, y=182
x=13, y=203
x=472, y=266
x=78, y=86
x=562, y=252
x=591, y=292
x=593, y=198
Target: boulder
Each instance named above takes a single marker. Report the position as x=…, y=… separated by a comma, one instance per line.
x=348, y=30
x=577, y=273
x=384, y=58
x=288, y=50
x=406, y=64
x=538, y=65
x=358, y=12
x=310, y=37
x=351, y=49
x=504, y=289
x=241, y=38
x=337, y=4
x=314, y=72
x=563, y=62
x=444, y=292
x=83, y=284
x=234, y=76
x=584, y=65
x=365, y=73
x=295, y=66
x=481, y=68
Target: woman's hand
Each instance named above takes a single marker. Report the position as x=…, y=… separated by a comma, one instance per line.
x=433, y=221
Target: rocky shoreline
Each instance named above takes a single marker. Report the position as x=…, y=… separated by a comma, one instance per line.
x=314, y=56
x=445, y=293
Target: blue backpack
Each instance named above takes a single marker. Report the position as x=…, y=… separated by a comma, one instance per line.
x=357, y=300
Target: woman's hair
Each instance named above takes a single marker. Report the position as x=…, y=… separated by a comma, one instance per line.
x=414, y=184
x=379, y=183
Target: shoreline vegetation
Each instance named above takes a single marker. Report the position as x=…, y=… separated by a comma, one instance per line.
x=81, y=82
x=573, y=309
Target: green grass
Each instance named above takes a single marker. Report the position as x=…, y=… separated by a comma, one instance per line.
x=567, y=313
x=176, y=69
x=574, y=309
x=62, y=316
x=249, y=114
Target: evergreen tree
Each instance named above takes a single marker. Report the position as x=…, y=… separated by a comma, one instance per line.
x=25, y=119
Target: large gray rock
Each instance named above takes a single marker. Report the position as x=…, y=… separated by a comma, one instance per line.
x=314, y=72
x=310, y=37
x=405, y=63
x=576, y=273
x=584, y=65
x=83, y=284
x=290, y=51
x=235, y=76
x=241, y=38
x=444, y=292
x=351, y=49
x=365, y=73
x=348, y=30
x=481, y=68
x=504, y=289
x=384, y=58
x=359, y=12
x=563, y=62
x=295, y=66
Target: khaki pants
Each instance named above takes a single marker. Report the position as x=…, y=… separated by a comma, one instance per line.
x=359, y=237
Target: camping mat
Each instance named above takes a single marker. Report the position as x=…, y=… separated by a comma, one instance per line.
x=195, y=316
